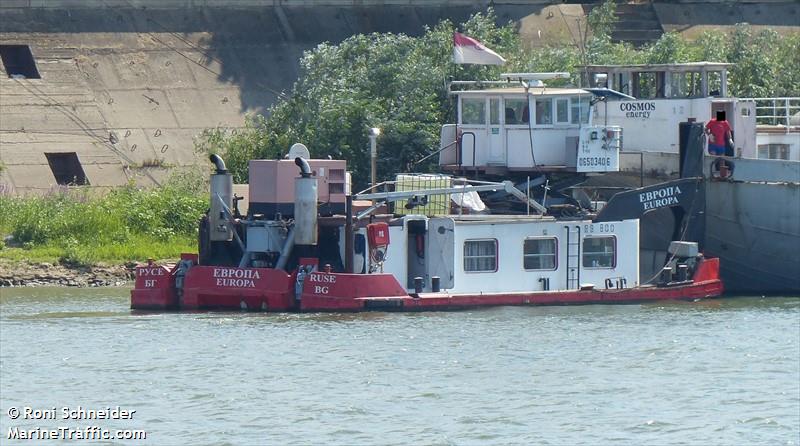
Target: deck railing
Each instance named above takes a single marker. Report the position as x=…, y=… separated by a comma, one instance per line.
x=777, y=111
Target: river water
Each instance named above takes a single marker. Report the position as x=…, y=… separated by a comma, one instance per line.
x=714, y=372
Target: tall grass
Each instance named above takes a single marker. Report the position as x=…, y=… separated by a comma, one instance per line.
x=80, y=227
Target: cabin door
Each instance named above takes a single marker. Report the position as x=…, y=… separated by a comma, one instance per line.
x=440, y=250
x=496, y=133
x=416, y=249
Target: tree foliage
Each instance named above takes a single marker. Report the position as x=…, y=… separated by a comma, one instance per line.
x=391, y=81
x=398, y=83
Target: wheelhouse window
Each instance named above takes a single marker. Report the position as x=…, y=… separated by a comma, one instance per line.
x=686, y=85
x=494, y=111
x=539, y=254
x=648, y=85
x=600, y=252
x=480, y=256
x=473, y=111
x=715, y=83
x=562, y=111
x=580, y=110
x=544, y=111
x=516, y=111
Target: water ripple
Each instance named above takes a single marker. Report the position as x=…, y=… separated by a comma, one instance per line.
x=711, y=372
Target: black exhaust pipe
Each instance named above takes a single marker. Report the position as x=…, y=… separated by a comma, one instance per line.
x=305, y=168
x=218, y=163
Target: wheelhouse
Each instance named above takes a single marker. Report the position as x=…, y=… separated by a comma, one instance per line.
x=664, y=95
x=523, y=129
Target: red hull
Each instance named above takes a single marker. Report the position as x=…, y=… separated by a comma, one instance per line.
x=222, y=288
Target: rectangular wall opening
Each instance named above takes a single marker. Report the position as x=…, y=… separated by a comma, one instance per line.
x=19, y=61
x=67, y=169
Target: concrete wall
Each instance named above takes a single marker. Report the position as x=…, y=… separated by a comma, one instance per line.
x=155, y=73
x=692, y=18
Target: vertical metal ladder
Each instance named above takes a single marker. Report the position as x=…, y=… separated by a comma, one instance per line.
x=573, y=257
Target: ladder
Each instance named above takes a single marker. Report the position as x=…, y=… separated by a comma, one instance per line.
x=573, y=257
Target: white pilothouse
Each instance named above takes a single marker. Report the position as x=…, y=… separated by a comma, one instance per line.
x=522, y=125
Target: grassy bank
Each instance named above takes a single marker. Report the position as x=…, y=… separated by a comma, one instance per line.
x=76, y=226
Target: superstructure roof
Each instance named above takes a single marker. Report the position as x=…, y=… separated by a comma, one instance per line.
x=533, y=91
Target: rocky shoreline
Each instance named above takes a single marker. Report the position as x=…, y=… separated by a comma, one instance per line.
x=47, y=274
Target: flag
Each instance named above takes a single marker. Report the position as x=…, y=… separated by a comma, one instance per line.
x=467, y=50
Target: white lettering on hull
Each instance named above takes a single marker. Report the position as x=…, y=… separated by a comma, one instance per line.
x=236, y=277
x=659, y=198
x=321, y=278
x=145, y=272
x=236, y=283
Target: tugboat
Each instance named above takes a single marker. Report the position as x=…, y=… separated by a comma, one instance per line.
x=426, y=243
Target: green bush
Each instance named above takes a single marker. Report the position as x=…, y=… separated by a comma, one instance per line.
x=397, y=82
x=126, y=224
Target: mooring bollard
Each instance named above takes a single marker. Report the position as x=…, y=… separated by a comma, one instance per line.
x=418, y=285
x=436, y=284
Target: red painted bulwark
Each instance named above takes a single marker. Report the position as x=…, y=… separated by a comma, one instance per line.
x=154, y=289
x=228, y=288
x=336, y=291
x=707, y=270
x=262, y=289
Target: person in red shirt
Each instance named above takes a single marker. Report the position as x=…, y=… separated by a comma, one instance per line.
x=719, y=132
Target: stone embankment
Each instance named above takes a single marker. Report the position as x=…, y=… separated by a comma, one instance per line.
x=46, y=274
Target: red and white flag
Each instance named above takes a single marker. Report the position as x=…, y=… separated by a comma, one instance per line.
x=467, y=50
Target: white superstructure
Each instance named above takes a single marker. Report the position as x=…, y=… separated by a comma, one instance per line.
x=666, y=95
x=508, y=253
x=512, y=128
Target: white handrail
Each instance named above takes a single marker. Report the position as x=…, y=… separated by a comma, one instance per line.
x=782, y=111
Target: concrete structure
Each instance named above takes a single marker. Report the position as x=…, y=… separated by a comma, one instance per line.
x=125, y=86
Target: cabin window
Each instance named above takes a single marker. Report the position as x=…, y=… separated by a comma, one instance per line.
x=648, y=85
x=539, y=254
x=773, y=151
x=480, y=255
x=562, y=111
x=600, y=252
x=714, y=83
x=580, y=110
x=473, y=111
x=494, y=111
x=544, y=111
x=686, y=85
x=516, y=111
x=621, y=82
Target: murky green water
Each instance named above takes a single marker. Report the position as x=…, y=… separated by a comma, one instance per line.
x=715, y=372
